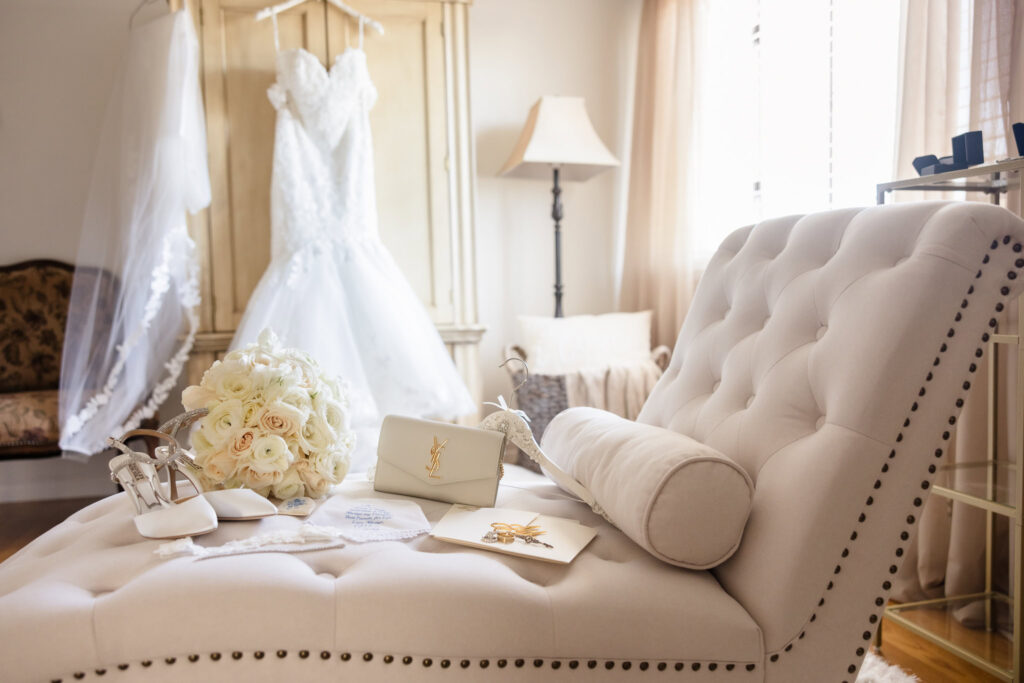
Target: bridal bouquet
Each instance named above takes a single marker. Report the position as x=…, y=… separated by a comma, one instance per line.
x=276, y=424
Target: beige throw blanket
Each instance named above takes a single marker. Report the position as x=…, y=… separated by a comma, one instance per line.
x=621, y=389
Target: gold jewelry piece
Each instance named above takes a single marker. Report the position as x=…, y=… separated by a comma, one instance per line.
x=507, y=533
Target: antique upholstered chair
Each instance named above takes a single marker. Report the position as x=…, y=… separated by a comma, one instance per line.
x=827, y=355
x=33, y=311
x=35, y=299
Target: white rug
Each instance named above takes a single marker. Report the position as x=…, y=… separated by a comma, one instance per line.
x=877, y=670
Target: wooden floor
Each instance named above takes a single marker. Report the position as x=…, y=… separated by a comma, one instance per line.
x=931, y=663
x=22, y=522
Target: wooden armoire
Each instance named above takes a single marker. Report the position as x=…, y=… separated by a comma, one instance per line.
x=423, y=151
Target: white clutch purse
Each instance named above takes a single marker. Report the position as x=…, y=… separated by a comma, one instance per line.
x=439, y=461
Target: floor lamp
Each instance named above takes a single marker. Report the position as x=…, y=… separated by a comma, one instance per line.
x=558, y=141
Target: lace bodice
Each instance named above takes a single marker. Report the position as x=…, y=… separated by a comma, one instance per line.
x=322, y=189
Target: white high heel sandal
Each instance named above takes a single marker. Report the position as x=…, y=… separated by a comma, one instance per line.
x=157, y=516
x=230, y=504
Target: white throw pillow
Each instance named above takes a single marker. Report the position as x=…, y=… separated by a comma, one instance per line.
x=682, y=501
x=556, y=346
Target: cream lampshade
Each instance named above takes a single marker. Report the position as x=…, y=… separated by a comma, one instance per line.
x=558, y=140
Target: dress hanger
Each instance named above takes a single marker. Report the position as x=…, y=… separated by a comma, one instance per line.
x=274, y=10
x=142, y=4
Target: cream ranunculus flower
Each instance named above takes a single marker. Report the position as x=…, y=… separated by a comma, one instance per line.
x=223, y=421
x=332, y=466
x=269, y=454
x=195, y=397
x=281, y=418
x=261, y=482
x=316, y=484
x=220, y=466
x=290, y=486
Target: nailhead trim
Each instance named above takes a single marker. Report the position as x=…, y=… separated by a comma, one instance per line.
x=925, y=484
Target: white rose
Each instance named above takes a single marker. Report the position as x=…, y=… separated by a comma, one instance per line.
x=201, y=445
x=281, y=418
x=269, y=454
x=315, y=435
x=296, y=397
x=339, y=463
x=241, y=443
x=234, y=381
x=332, y=413
x=222, y=423
x=195, y=397
x=290, y=486
x=251, y=413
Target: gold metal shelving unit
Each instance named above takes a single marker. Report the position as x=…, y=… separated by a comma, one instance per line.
x=995, y=180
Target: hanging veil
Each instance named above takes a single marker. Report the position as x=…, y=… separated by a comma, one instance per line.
x=132, y=318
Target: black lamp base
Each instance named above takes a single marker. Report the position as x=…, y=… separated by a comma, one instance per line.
x=556, y=215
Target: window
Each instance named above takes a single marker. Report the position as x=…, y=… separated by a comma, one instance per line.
x=795, y=110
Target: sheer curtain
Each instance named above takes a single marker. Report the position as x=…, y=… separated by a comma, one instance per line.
x=657, y=272
x=745, y=110
x=132, y=319
x=961, y=69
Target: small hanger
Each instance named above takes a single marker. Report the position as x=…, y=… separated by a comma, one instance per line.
x=526, y=367
x=274, y=10
x=138, y=8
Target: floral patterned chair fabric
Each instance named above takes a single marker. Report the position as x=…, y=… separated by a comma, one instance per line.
x=34, y=298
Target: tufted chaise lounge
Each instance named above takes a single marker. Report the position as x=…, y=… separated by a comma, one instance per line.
x=828, y=355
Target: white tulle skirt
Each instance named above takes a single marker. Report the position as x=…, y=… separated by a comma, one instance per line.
x=349, y=306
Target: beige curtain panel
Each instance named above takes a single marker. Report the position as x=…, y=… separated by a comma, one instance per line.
x=657, y=274
x=961, y=69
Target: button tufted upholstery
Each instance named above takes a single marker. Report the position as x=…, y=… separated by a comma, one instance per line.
x=855, y=332
x=824, y=354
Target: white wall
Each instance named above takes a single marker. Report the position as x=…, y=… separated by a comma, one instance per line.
x=518, y=52
x=57, y=62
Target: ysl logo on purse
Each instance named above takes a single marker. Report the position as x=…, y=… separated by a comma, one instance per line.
x=435, y=458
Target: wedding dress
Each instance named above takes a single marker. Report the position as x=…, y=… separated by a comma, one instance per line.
x=131, y=316
x=332, y=288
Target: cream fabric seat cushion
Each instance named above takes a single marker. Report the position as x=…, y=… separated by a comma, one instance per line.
x=102, y=598
x=682, y=501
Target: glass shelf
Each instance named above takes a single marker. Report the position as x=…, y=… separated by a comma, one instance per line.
x=968, y=482
x=993, y=484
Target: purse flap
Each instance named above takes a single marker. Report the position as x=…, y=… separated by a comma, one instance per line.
x=438, y=453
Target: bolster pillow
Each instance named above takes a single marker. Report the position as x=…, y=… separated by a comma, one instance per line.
x=682, y=501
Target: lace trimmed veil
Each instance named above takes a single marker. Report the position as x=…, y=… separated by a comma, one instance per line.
x=132, y=317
